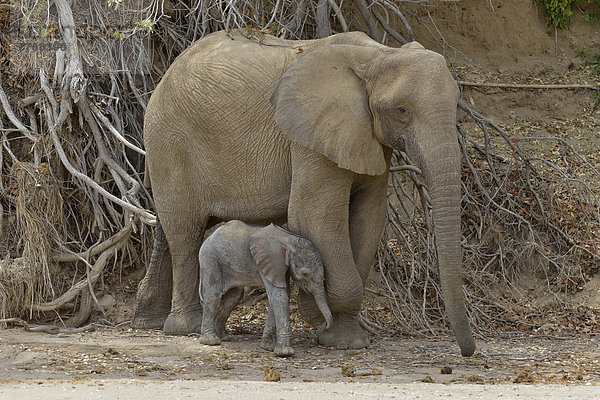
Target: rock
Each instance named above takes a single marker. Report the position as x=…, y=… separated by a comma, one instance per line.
x=271, y=375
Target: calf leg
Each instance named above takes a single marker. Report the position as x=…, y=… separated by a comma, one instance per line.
x=269, y=332
x=211, y=293
x=279, y=310
x=228, y=302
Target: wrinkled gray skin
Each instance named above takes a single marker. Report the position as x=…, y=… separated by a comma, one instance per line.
x=239, y=255
x=304, y=131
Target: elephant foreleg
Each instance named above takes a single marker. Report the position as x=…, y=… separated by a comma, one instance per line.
x=367, y=220
x=279, y=315
x=153, y=298
x=319, y=210
x=269, y=332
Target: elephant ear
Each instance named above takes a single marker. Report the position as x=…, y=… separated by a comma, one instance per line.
x=322, y=104
x=270, y=255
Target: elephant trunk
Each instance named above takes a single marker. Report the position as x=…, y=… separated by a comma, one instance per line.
x=321, y=301
x=440, y=164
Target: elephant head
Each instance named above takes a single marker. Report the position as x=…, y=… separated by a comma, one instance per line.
x=277, y=251
x=354, y=103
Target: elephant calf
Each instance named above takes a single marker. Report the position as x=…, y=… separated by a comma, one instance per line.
x=238, y=255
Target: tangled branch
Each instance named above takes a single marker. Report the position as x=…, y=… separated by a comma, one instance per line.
x=81, y=153
x=524, y=217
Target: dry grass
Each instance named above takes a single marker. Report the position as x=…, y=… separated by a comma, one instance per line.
x=40, y=224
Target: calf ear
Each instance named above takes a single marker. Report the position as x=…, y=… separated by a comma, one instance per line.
x=270, y=255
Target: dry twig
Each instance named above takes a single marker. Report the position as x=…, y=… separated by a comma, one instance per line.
x=529, y=86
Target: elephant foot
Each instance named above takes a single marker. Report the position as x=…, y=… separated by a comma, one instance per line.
x=267, y=344
x=209, y=340
x=283, y=351
x=144, y=322
x=221, y=331
x=225, y=338
x=345, y=333
x=150, y=311
x=183, y=323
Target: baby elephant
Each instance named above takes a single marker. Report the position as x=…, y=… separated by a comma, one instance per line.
x=238, y=255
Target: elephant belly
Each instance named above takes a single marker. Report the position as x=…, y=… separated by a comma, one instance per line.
x=250, y=182
x=259, y=209
x=210, y=182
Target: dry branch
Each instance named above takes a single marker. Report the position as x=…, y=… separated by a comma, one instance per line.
x=368, y=18
x=322, y=19
x=53, y=330
x=398, y=13
x=339, y=15
x=114, y=243
x=388, y=29
x=13, y=118
x=95, y=185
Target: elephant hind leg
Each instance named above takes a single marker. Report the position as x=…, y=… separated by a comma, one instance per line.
x=184, y=234
x=153, y=298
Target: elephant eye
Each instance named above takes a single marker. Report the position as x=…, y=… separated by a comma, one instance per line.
x=400, y=113
x=304, y=273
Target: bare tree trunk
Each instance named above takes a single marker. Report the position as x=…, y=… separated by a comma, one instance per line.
x=368, y=18
x=296, y=26
x=323, y=24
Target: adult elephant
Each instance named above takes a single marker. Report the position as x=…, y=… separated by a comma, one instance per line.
x=263, y=130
